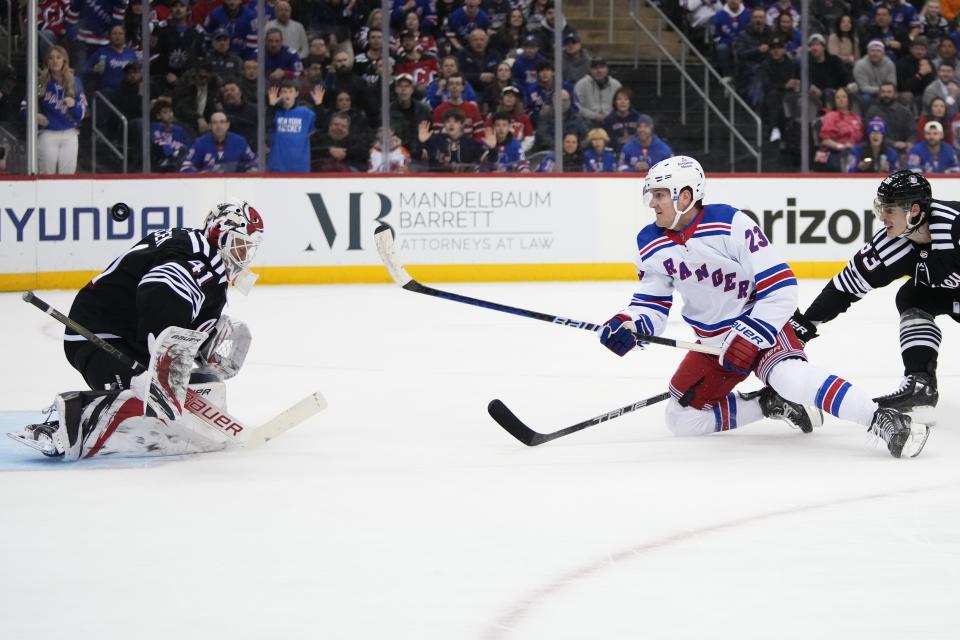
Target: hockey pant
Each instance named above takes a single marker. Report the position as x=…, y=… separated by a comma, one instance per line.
x=99, y=369
x=703, y=400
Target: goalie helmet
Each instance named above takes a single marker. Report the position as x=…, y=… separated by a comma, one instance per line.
x=901, y=190
x=675, y=174
x=236, y=230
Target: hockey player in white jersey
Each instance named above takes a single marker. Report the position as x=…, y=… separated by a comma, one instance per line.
x=160, y=303
x=739, y=295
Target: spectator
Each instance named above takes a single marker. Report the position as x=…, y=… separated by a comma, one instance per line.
x=240, y=22
x=406, y=114
x=294, y=35
x=219, y=151
x=946, y=52
x=178, y=47
x=365, y=64
x=338, y=151
x=843, y=42
x=750, y=50
x=509, y=41
x=319, y=51
x=224, y=63
x=779, y=8
x=576, y=60
x=882, y=30
x=572, y=157
x=525, y=65
x=291, y=127
x=950, y=9
x=944, y=87
x=548, y=28
x=497, y=10
x=621, y=124
x=541, y=93
x=644, y=151
x=572, y=122
x=503, y=78
x=595, y=92
x=313, y=74
x=249, y=81
x=476, y=61
x=598, y=157
x=359, y=125
x=437, y=91
x=504, y=154
x=422, y=10
x=51, y=24
x=537, y=14
x=464, y=21
x=397, y=160
x=472, y=120
x=129, y=97
x=342, y=78
x=412, y=62
x=89, y=24
x=827, y=73
x=241, y=114
x=168, y=140
x=699, y=13
x=362, y=37
x=900, y=125
x=728, y=22
x=872, y=70
x=133, y=26
x=824, y=14
x=841, y=131
x=914, y=72
x=936, y=111
x=195, y=100
x=903, y=16
x=62, y=108
x=933, y=26
x=785, y=28
x=105, y=67
x=781, y=83
x=520, y=125
x=449, y=149
x=930, y=155
x=425, y=43
x=201, y=9
x=874, y=155
x=280, y=62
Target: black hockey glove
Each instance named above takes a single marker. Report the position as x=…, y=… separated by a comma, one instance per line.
x=805, y=329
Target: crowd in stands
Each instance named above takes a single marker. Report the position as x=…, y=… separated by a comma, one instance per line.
x=472, y=87
x=884, y=76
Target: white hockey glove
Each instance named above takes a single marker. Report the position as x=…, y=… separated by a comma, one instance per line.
x=225, y=350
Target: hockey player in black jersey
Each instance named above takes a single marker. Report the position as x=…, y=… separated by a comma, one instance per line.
x=920, y=239
x=157, y=302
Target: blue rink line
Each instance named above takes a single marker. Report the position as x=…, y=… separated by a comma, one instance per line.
x=17, y=457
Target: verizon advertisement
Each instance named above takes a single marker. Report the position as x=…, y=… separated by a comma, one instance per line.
x=65, y=225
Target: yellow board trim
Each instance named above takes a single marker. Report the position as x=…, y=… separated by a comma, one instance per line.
x=426, y=273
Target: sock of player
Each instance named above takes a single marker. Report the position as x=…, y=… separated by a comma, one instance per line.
x=733, y=411
x=799, y=381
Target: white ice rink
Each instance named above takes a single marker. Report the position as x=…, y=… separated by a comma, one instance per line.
x=404, y=511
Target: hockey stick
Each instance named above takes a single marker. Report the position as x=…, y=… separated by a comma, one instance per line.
x=383, y=237
x=208, y=413
x=515, y=427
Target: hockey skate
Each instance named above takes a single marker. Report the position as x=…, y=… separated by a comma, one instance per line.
x=60, y=437
x=917, y=390
x=903, y=437
x=795, y=414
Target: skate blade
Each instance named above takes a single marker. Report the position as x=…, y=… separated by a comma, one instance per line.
x=46, y=449
x=917, y=440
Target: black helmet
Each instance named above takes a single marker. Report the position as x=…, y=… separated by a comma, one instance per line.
x=905, y=188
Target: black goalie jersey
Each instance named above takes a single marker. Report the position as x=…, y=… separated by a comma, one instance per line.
x=883, y=260
x=169, y=278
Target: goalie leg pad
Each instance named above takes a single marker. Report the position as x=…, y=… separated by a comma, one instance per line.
x=163, y=386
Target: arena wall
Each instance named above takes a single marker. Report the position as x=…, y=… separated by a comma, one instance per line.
x=57, y=233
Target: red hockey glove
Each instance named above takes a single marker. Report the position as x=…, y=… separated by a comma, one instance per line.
x=738, y=354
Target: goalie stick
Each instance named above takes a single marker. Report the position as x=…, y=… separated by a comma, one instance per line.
x=515, y=427
x=383, y=237
x=215, y=417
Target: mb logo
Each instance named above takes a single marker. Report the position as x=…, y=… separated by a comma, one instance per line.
x=354, y=230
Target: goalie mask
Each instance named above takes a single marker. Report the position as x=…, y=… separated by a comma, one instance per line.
x=236, y=230
x=675, y=174
x=897, y=194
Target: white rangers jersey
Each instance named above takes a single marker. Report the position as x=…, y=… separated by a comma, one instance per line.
x=729, y=275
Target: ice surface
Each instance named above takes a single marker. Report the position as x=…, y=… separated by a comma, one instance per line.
x=404, y=511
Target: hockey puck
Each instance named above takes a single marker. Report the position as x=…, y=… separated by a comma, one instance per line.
x=120, y=212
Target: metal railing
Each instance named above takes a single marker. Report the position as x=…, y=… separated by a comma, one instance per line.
x=735, y=102
x=99, y=135
x=14, y=153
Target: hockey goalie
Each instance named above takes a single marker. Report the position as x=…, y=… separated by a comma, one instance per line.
x=161, y=303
